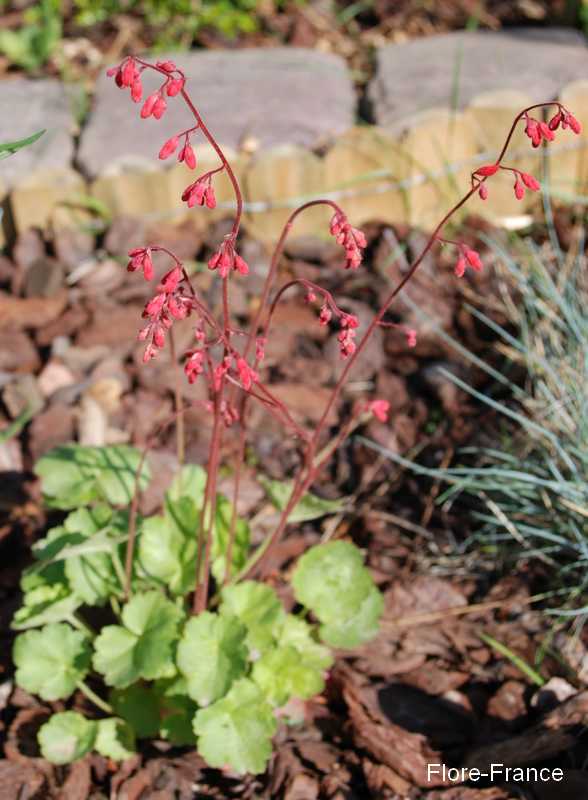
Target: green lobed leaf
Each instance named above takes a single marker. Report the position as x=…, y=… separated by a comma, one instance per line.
x=211, y=655
x=299, y=634
x=183, y=504
x=166, y=552
x=75, y=475
x=236, y=731
x=143, y=646
x=189, y=482
x=282, y=674
x=93, y=577
x=331, y=580
x=66, y=737
x=258, y=608
x=51, y=661
x=115, y=739
x=360, y=628
x=45, y=604
x=308, y=507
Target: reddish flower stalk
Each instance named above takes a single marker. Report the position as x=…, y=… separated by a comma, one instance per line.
x=176, y=299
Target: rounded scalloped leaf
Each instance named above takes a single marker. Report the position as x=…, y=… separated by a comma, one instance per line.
x=89, y=569
x=189, y=482
x=51, y=661
x=358, y=629
x=66, y=737
x=297, y=633
x=143, y=646
x=331, y=580
x=46, y=604
x=281, y=674
x=237, y=730
x=259, y=609
x=165, y=553
x=211, y=655
x=115, y=739
x=74, y=475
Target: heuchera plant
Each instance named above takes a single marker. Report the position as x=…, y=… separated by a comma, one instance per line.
x=220, y=676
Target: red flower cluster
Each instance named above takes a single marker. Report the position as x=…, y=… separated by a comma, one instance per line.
x=352, y=239
x=169, y=304
x=226, y=259
x=200, y=192
x=186, y=154
x=467, y=258
x=539, y=131
x=325, y=315
x=522, y=180
x=349, y=324
x=128, y=75
x=194, y=365
x=141, y=259
x=241, y=371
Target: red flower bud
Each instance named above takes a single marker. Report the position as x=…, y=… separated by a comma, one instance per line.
x=573, y=123
x=325, y=315
x=159, y=337
x=483, y=191
x=159, y=107
x=168, y=66
x=241, y=265
x=187, y=155
x=174, y=87
x=473, y=259
x=379, y=409
x=137, y=91
x=169, y=282
x=168, y=148
x=128, y=72
x=546, y=132
x=209, y=197
x=530, y=182
x=519, y=190
x=489, y=169
x=460, y=267
x=149, y=105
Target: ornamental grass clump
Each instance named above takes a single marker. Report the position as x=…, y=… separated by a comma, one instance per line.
x=192, y=644
x=527, y=494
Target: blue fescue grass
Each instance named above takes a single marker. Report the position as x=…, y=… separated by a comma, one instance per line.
x=530, y=490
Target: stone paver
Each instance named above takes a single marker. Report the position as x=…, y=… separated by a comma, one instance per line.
x=27, y=107
x=451, y=69
x=268, y=97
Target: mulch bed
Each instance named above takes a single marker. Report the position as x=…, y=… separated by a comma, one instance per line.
x=428, y=689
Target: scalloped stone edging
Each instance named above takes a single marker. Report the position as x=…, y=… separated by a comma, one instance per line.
x=288, y=117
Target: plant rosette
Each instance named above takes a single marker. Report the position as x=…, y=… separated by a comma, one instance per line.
x=220, y=680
